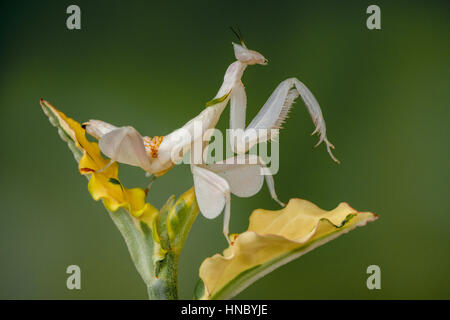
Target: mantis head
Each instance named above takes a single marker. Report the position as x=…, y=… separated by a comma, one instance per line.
x=247, y=56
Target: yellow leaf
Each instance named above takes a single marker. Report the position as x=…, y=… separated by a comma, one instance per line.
x=104, y=185
x=273, y=239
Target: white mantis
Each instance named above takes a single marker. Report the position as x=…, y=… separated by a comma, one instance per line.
x=215, y=182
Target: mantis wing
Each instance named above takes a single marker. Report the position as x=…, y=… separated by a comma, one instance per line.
x=125, y=145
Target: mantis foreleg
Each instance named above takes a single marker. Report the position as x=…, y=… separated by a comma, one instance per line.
x=273, y=114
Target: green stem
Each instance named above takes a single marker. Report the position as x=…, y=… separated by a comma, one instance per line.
x=164, y=285
x=140, y=245
x=156, y=255
x=160, y=277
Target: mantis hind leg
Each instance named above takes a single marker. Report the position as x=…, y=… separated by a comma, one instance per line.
x=152, y=179
x=107, y=166
x=213, y=195
x=226, y=217
x=271, y=186
x=245, y=175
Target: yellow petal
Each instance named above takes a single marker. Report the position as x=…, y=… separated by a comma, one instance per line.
x=103, y=185
x=273, y=239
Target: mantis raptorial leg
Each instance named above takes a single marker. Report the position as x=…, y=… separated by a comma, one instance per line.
x=273, y=114
x=238, y=106
x=125, y=144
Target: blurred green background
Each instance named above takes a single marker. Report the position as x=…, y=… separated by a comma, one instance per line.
x=384, y=94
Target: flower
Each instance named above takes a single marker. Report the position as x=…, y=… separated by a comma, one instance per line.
x=103, y=184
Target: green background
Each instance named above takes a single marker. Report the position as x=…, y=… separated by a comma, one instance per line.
x=384, y=94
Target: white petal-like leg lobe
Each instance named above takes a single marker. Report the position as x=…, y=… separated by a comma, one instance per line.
x=212, y=193
x=211, y=190
x=244, y=178
x=125, y=145
x=213, y=184
x=238, y=106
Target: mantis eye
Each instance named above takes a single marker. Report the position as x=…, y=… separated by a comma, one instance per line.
x=248, y=56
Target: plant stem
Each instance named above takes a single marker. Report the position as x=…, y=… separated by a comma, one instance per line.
x=164, y=285
x=149, y=244
x=140, y=246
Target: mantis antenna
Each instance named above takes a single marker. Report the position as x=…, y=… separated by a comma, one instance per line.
x=237, y=32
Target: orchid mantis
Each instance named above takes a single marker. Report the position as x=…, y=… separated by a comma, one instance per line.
x=215, y=182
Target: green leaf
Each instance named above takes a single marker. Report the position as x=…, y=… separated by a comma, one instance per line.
x=199, y=292
x=139, y=242
x=180, y=219
x=161, y=223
